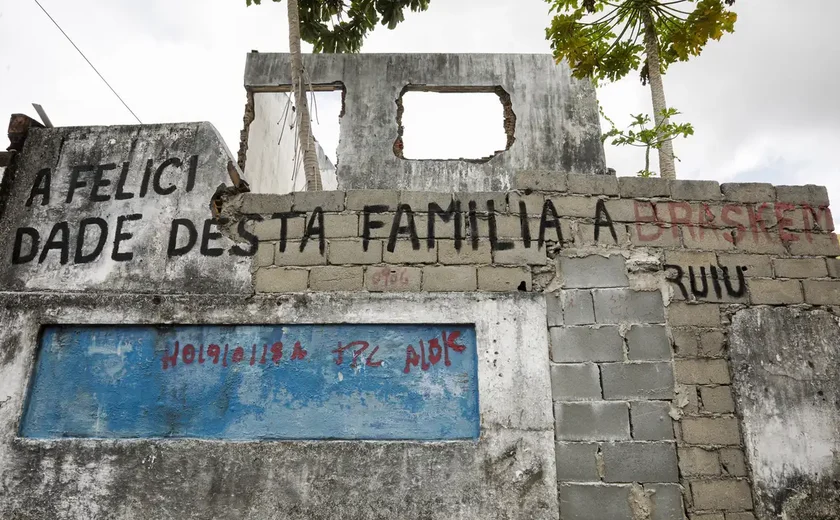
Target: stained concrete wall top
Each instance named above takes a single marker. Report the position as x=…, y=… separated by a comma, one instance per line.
x=554, y=117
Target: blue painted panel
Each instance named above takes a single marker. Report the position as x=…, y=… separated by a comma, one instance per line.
x=389, y=382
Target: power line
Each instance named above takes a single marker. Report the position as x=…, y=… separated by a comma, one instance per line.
x=88, y=62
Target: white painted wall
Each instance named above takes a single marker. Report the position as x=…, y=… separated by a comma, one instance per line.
x=270, y=161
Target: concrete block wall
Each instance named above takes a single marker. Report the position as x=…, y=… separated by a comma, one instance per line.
x=640, y=276
x=712, y=462
x=646, y=350
x=613, y=388
x=719, y=248
x=111, y=241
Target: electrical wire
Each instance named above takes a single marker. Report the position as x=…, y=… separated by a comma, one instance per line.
x=88, y=62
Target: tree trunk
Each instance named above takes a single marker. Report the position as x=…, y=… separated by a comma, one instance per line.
x=304, y=125
x=667, y=170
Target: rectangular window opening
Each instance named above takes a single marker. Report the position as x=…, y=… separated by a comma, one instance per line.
x=473, y=124
x=272, y=164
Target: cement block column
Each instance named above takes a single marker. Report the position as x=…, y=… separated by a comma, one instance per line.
x=612, y=377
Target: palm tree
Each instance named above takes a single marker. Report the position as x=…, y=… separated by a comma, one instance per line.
x=667, y=169
x=608, y=48
x=304, y=124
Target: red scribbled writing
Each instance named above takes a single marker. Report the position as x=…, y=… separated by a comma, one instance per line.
x=213, y=351
x=733, y=223
x=189, y=354
x=354, y=353
x=412, y=358
x=339, y=353
x=387, y=277
x=299, y=352
x=277, y=352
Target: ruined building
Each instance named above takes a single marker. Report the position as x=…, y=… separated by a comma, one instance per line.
x=521, y=337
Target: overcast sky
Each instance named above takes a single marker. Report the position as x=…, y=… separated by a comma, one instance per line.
x=764, y=101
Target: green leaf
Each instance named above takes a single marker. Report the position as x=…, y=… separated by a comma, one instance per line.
x=641, y=135
x=341, y=26
x=605, y=39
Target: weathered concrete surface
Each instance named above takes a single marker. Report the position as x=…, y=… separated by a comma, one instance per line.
x=270, y=165
x=786, y=365
x=556, y=117
x=131, y=181
x=509, y=473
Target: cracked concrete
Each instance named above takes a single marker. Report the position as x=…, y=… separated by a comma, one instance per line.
x=787, y=381
x=556, y=116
